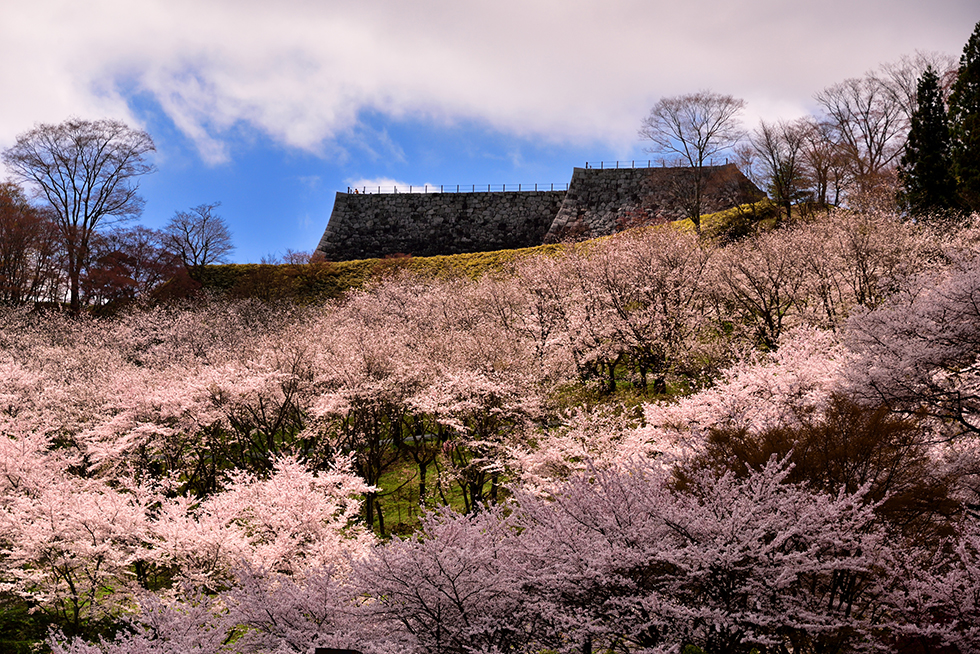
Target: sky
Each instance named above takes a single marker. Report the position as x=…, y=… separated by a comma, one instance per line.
x=271, y=108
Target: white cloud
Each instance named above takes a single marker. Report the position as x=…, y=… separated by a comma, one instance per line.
x=389, y=185
x=300, y=71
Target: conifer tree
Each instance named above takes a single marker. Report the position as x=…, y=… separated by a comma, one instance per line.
x=964, y=115
x=926, y=167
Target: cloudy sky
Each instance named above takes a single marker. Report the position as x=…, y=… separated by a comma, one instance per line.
x=272, y=107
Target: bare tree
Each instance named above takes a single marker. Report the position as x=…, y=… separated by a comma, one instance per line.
x=87, y=171
x=199, y=237
x=30, y=264
x=694, y=128
x=869, y=120
x=901, y=77
x=289, y=257
x=780, y=151
x=825, y=167
x=127, y=263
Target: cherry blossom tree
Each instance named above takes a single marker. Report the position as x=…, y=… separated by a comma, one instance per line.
x=286, y=523
x=109, y=477
x=759, y=392
x=245, y=450
x=919, y=351
x=763, y=277
x=70, y=544
x=320, y=609
x=940, y=597
x=455, y=587
x=195, y=624
x=581, y=438
x=619, y=558
x=654, y=287
x=532, y=306
x=362, y=385
x=481, y=415
x=638, y=302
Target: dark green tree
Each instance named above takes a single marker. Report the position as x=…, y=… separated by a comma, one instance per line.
x=926, y=169
x=964, y=118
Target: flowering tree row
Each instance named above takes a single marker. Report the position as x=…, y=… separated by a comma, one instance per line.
x=622, y=560
x=231, y=454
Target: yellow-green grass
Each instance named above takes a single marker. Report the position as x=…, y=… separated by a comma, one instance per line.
x=320, y=281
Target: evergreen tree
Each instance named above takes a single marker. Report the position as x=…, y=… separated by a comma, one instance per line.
x=964, y=116
x=926, y=167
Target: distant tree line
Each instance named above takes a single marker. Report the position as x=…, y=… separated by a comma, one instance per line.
x=906, y=134
x=73, y=243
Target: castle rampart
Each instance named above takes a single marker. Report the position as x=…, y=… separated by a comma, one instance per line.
x=598, y=202
x=364, y=226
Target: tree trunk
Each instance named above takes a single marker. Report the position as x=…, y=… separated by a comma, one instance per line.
x=74, y=273
x=381, y=519
x=369, y=510
x=423, y=468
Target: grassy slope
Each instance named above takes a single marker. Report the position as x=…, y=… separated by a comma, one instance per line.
x=320, y=281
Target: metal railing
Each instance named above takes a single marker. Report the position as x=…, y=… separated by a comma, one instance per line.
x=503, y=188
x=637, y=163
x=455, y=188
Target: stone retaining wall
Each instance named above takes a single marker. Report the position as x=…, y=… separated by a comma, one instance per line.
x=602, y=202
x=598, y=202
x=377, y=225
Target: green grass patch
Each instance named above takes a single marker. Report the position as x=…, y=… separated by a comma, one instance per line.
x=21, y=630
x=399, y=496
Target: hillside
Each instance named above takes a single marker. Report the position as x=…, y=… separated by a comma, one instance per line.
x=527, y=451
x=319, y=281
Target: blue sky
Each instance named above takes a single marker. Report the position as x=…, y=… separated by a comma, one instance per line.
x=271, y=108
x=275, y=197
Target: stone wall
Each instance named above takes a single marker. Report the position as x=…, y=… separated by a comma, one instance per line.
x=598, y=202
x=364, y=226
